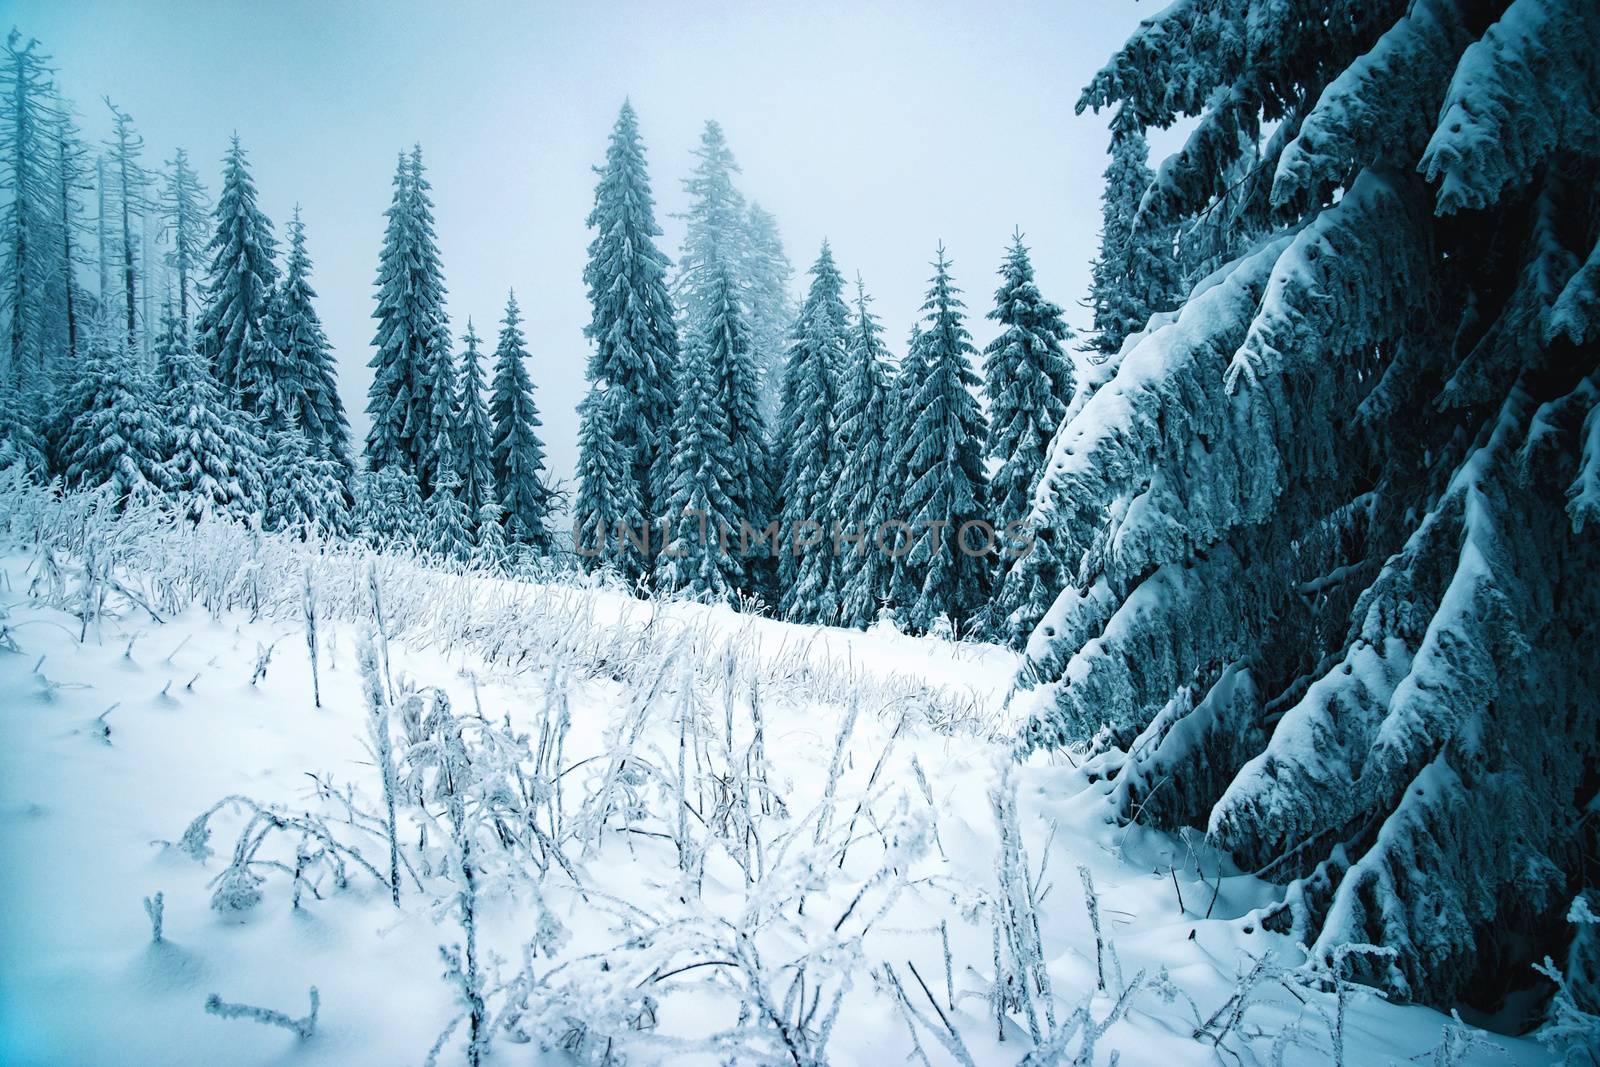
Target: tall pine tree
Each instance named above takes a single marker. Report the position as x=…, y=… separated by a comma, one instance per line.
x=767, y=273
x=905, y=581
x=866, y=492
x=28, y=112
x=631, y=326
x=1136, y=273
x=474, y=455
x=412, y=332
x=130, y=185
x=233, y=329
x=517, y=454
x=809, y=449
x=183, y=213
x=732, y=377
x=702, y=521
x=945, y=472
x=1028, y=379
x=608, y=515
x=308, y=358
x=716, y=235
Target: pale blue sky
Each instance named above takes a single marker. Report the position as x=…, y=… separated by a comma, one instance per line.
x=885, y=127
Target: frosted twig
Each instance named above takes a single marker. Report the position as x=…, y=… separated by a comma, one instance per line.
x=303, y=1027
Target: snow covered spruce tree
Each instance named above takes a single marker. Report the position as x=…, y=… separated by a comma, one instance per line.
x=700, y=555
x=1136, y=273
x=715, y=234
x=1028, y=379
x=736, y=389
x=808, y=448
x=183, y=213
x=30, y=221
x=412, y=333
x=719, y=458
x=116, y=437
x=767, y=273
x=946, y=485
x=389, y=507
x=516, y=453
x=213, y=454
x=1329, y=530
x=308, y=358
x=305, y=490
x=448, y=532
x=865, y=494
x=473, y=434
x=233, y=327
x=608, y=505
x=126, y=184
x=631, y=326
x=904, y=580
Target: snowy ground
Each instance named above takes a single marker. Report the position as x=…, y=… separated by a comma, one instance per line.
x=784, y=950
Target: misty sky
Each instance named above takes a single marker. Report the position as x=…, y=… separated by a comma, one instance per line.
x=882, y=127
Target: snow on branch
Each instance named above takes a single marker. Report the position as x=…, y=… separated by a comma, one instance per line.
x=1528, y=87
x=1380, y=109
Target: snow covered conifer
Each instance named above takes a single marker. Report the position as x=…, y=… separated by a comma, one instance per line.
x=1029, y=381
x=716, y=234
x=767, y=273
x=809, y=449
x=866, y=492
x=944, y=469
x=517, y=455
x=412, y=331
x=442, y=387
x=635, y=338
x=128, y=183
x=1136, y=273
x=305, y=491
x=116, y=435
x=448, y=533
x=699, y=510
x=474, y=438
x=1320, y=525
x=608, y=504
x=183, y=213
x=214, y=456
x=233, y=328
x=734, y=383
x=20, y=439
x=490, y=544
x=390, y=509
x=308, y=358
x=28, y=220
x=905, y=580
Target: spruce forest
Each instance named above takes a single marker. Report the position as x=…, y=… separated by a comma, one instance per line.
x=1200, y=665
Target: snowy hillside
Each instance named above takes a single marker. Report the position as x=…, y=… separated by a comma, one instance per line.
x=621, y=832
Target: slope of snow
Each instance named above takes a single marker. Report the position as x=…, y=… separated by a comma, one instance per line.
x=848, y=887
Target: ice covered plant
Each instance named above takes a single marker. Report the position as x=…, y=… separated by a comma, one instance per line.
x=318, y=855
x=1022, y=979
x=1572, y=1024
x=302, y=1027
x=309, y=601
x=155, y=908
x=382, y=745
x=1345, y=494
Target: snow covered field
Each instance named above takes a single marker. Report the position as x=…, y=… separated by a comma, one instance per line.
x=624, y=832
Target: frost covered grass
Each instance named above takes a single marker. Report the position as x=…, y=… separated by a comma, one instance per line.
x=533, y=819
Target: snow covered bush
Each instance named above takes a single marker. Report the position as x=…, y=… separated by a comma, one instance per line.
x=1322, y=538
